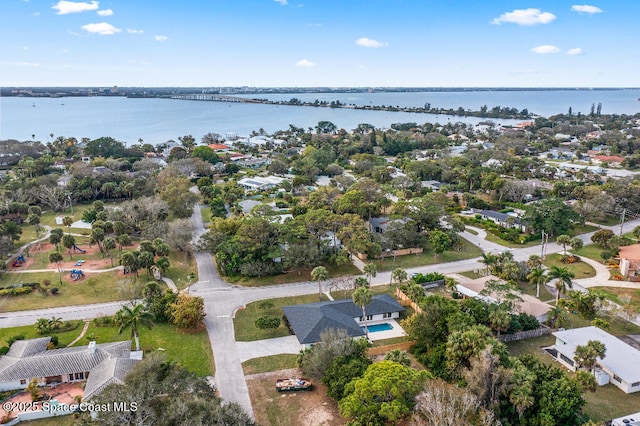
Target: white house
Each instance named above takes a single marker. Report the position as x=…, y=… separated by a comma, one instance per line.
x=621, y=362
x=258, y=183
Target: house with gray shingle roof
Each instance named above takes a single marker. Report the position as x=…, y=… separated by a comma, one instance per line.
x=29, y=359
x=111, y=370
x=308, y=321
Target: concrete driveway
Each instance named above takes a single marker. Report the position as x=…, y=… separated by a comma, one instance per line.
x=267, y=347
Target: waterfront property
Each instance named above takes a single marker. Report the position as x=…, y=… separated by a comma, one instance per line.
x=310, y=320
x=620, y=366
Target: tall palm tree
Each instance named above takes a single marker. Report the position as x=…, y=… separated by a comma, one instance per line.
x=557, y=316
x=362, y=297
x=399, y=275
x=488, y=259
x=538, y=276
x=370, y=271
x=563, y=280
x=134, y=318
x=319, y=273
x=563, y=240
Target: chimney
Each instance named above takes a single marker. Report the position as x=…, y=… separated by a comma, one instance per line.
x=92, y=347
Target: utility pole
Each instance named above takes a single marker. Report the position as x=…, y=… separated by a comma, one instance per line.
x=624, y=213
x=545, y=238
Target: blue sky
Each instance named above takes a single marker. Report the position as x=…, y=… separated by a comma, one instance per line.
x=427, y=43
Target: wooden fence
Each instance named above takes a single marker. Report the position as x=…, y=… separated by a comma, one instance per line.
x=405, y=301
x=522, y=335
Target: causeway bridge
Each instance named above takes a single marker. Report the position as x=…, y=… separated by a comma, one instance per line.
x=213, y=98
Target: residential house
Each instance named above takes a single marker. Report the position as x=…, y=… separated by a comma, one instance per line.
x=30, y=359
x=258, y=183
x=506, y=220
x=612, y=160
x=218, y=147
x=630, y=261
x=433, y=185
x=308, y=321
x=621, y=364
x=381, y=224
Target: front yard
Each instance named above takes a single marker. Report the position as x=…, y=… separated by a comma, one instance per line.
x=428, y=257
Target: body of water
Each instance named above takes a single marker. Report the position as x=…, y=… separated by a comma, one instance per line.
x=159, y=120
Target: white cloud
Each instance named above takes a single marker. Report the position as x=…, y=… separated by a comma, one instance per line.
x=101, y=28
x=574, y=51
x=529, y=16
x=305, y=63
x=132, y=31
x=106, y=12
x=545, y=49
x=368, y=42
x=160, y=38
x=64, y=7
x=585, y=8
x=282, y=2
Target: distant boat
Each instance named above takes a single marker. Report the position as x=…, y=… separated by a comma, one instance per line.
x=34, y=104
x=62, y=103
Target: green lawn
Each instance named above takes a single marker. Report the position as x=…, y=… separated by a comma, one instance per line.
x=592, y=251
x=579, y=269
x=191, y=350
x=614, y=294
x=267, y=364
x=244, y=321
x=205, y=212
x=181, y=266
x=495, y=239
x=29, y=332
x=378, y=289
x=108, y=288
x=468, y=251
x=298, y=275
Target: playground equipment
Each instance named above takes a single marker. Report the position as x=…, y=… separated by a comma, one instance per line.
x=76, y=248
x=79, y=262
x=76, y=274
x=19, y=261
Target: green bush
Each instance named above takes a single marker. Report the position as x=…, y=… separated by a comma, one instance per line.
x=16, y=291
x=12, y=339
x=268, y=322
x=4, y=350
x=105, y=321
x=266, y=304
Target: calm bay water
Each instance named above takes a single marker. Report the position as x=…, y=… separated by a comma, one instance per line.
x=159, y=120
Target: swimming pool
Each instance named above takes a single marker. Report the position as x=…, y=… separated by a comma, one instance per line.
x=385, y=326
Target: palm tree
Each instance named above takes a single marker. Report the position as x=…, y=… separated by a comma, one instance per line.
x=163, y=265
x=563, y=240
x=67, y=221
x=557, y=316
x=370, y=271
x=56, y=257
x=109, y=244
x=538, y=276
x=68, y=241
x=319, y=273
x=362, y=297
x=534, y=261
x=488, y=259
x=399, y=275
x=134, y=318
x=563, y=280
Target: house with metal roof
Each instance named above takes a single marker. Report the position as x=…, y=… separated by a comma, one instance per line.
x=29, y=359
x=308, y=321
x=621, y=362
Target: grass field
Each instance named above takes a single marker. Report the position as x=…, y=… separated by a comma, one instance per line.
x=579, y=269
x=181, y=266
x=592, y=251
x=468, y=251
x=191, y=350
x=29, y=332
x=244, y=321
x=109, y=287
x=267, y=364
x=295, y=276
x=614, y=294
